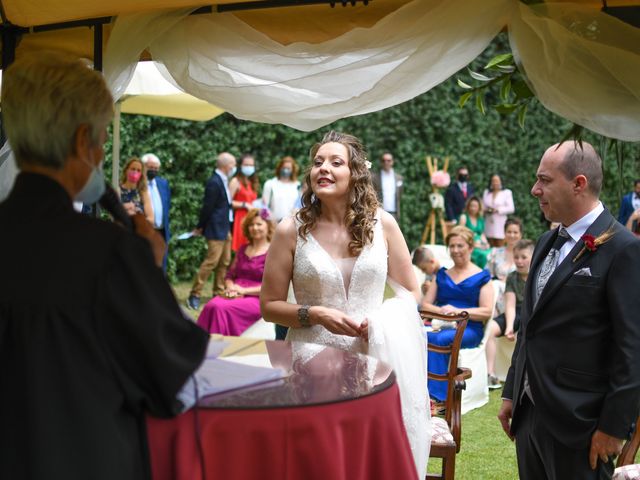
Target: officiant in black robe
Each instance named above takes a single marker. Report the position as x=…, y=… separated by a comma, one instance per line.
x=91, y=337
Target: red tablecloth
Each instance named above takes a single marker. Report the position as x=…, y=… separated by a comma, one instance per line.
x=361, y=439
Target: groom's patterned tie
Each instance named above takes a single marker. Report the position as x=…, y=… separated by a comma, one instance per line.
x=550, y=262
x=548, y=266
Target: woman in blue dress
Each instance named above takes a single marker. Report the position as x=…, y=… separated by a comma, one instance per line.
x=465, y=286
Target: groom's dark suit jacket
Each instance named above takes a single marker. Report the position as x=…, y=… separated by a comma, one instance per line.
x=580, y=344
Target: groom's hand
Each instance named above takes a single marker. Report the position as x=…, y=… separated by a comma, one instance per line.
x=504, y=415
x=603, y=446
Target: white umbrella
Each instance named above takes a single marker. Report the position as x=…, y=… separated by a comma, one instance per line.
x=151, y=93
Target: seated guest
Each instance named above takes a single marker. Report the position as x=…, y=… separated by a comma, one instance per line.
x=239, y=306
x=500, y=260
x=425, y=261
x=466, y=287
x=134, y=192
x=472, y=219
x=508, y=323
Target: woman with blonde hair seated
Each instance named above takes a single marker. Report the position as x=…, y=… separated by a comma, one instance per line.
x=465, y=286
x=239, y=306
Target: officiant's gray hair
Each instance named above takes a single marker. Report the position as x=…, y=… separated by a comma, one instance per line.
x=46, y=97
x=581, y=158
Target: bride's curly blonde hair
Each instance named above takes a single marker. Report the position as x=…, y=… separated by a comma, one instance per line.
x=363, y=202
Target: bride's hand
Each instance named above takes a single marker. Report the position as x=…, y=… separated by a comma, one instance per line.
x=364, y=329
x=336, y=321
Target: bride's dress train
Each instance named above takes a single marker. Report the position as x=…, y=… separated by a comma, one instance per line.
x=395, y=333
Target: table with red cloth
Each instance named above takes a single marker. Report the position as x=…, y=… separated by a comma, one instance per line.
x=336, y=416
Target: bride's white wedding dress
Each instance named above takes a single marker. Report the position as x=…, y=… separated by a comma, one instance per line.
x=395, y=333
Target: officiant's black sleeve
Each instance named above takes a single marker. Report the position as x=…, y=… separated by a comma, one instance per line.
x=151, y=347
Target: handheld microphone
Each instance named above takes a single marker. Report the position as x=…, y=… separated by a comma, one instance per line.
x=111, y=203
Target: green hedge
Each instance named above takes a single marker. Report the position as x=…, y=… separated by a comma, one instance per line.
x=431, y=124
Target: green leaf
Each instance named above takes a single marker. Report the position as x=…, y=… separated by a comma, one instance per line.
x=575, y=134
x=521, y=114
x=521, y=89
x=480, y=103
x=464, y=98
x=506, y=68
x=505, y=89
x=506, y=108
x=466, y=86
x=479, y=76
x=499, y=59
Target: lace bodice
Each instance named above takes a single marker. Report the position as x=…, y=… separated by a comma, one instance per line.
x=317, y=280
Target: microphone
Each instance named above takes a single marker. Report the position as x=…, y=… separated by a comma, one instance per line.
x=111, y=203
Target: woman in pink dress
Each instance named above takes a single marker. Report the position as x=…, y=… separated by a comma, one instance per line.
x=498, y=203
x=239, y=306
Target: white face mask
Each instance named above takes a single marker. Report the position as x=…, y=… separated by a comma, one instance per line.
x=8, y=171
x=94, y=188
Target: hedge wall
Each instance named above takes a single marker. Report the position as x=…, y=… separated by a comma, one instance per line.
x=431, y=124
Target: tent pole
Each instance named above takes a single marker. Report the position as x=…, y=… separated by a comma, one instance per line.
x=115, y=156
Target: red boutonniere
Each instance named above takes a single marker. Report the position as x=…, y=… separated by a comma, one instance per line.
x=589, y=242
x=592, y=243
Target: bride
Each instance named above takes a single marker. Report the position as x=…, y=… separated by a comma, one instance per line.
x=339, y=251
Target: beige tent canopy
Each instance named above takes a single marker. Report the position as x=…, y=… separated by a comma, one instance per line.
x=50, y=22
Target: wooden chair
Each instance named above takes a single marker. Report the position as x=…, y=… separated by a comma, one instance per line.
x=445, y=437
x=625, y=467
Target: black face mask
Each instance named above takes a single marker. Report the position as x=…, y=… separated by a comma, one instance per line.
x=151, y=174
x=463, y=178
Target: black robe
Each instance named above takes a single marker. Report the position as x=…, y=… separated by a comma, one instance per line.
x=91, y=339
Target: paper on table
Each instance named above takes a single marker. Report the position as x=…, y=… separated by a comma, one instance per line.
x=185, y=235
x=217, y=375
x=216, y=347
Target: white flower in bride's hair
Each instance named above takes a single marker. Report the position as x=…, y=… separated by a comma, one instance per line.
x=367, y=164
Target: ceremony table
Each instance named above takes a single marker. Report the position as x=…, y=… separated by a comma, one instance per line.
x=335, y=416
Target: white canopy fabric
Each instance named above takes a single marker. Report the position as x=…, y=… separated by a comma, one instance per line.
x=150, y=92
x=582, y=64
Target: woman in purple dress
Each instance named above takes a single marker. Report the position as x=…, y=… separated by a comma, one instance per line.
x=239, y=306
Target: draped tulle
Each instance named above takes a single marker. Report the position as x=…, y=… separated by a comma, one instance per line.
x=395, y=336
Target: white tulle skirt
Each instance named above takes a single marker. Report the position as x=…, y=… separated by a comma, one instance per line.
x=396, y=337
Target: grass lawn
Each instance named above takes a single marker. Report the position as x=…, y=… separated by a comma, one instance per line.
x=486, y=453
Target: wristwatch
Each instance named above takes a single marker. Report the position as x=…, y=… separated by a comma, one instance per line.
x=303, y=316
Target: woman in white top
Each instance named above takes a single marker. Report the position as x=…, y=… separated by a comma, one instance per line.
x=498, y=203
x=280, y=193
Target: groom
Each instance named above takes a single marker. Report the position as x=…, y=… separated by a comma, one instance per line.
x=573, y=390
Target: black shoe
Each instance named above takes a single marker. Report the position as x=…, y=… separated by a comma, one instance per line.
x=193, y=302
x=493, y=382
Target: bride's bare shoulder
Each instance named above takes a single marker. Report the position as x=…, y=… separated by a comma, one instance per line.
x=286, y=232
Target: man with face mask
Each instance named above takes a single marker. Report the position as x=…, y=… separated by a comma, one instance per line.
x=455, y=198
x=215, y=221
x=91, y=336
x=160, y=193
